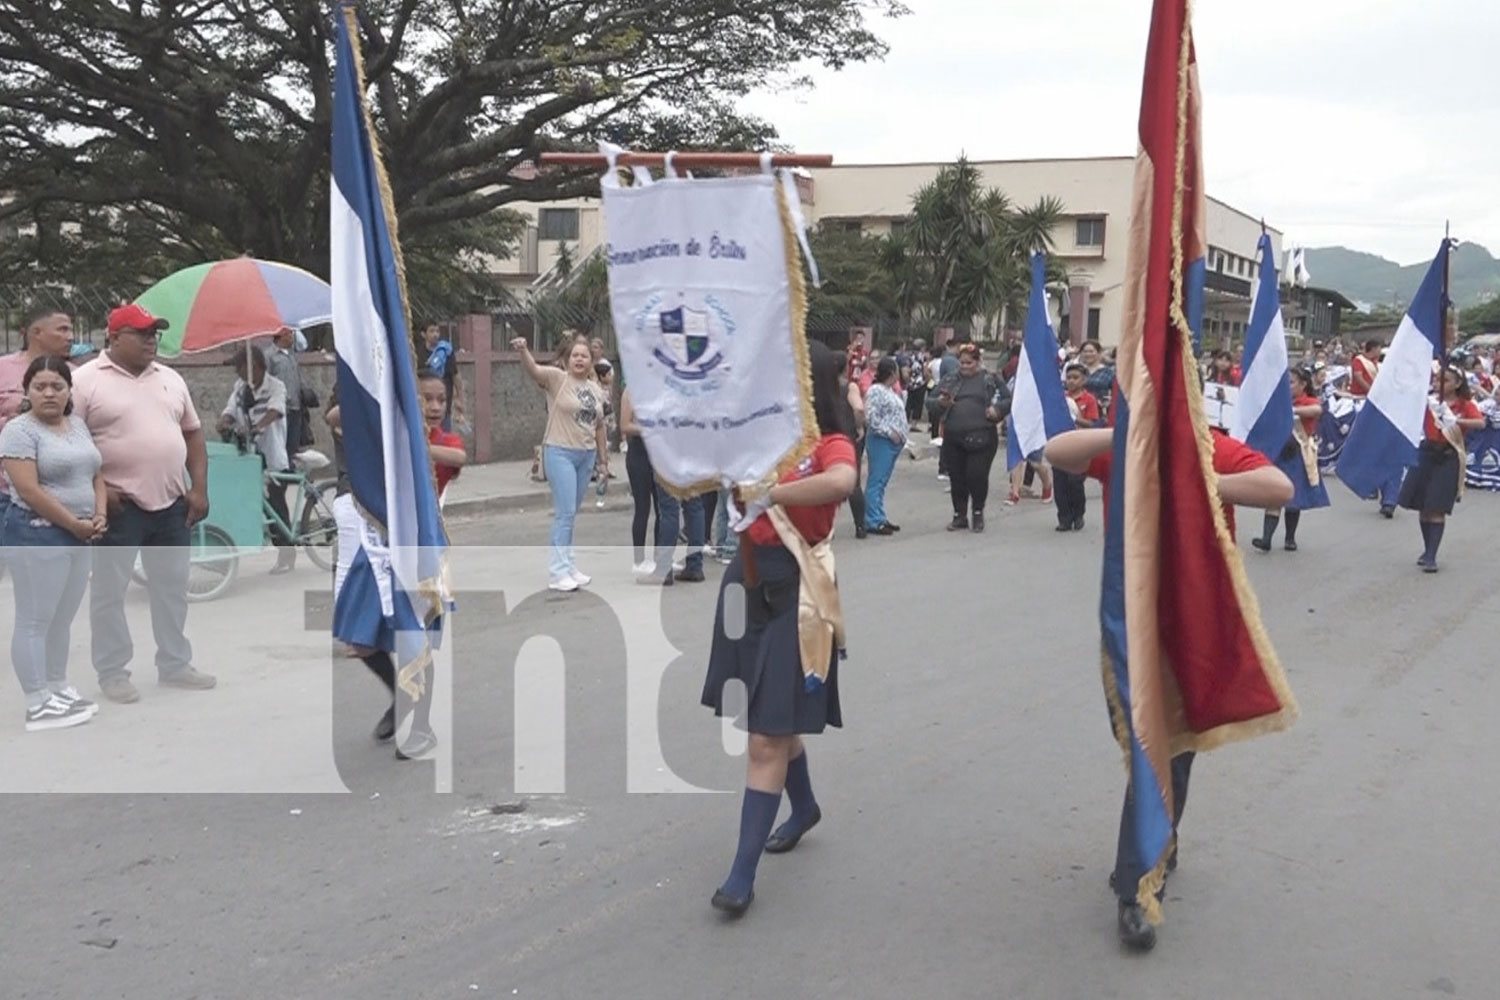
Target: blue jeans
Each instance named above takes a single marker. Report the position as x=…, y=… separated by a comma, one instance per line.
x=568, y=476
x=50, y=570
x=670, y=514
x=163, y=539
x=725, y=541
x=882, y=452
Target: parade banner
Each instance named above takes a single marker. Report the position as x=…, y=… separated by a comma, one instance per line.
x=1187, y=663
x=709, y=304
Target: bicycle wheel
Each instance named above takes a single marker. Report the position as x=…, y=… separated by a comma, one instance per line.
x=214, y=563
x=318, y=531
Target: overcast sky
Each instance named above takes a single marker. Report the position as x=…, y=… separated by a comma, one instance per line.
x=1365, y=123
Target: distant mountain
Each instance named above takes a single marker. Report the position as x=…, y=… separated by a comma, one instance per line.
x=1473, y=275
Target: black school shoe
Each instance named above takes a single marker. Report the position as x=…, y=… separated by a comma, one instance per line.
x=733, y=906
x=386, y=727
x=1136, y=932
x=978, y=522
x=959, y=523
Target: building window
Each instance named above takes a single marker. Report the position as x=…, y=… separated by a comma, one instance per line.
x=898, y=228
x=1219, y=261
x=1089, y=232
x=557, y=224
x=1093, y=324
x=842, y=226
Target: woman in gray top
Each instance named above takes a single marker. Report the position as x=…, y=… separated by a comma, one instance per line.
x=57, y=505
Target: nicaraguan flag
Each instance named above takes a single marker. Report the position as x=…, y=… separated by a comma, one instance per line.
x=1039, y=407
x=1187, y=663
x=1388, y=429
x=385, y=440
x=1263, y=416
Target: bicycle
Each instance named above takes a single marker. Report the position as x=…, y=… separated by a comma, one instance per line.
x=214, y=558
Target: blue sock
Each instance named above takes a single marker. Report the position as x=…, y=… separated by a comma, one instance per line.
x=1432, y=533
x=799, y=790
x=757, y=815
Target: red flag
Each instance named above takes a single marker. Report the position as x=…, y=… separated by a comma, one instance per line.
x=1188, y=665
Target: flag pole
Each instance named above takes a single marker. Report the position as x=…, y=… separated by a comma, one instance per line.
x=1447, y=306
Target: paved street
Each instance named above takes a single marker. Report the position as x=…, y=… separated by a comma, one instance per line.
x=970, y=806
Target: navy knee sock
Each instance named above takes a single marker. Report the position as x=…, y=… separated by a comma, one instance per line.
x=1432, y=535
x=757, y=815
x=1293, y=517
x=381, y=666
x=799, y=791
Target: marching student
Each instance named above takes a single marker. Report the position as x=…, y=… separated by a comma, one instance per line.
x=1363, y=368
x=1072, y=504
x=790, y=672
x=1436, y=483
x=1299, y=461
x=363, y=587
x=1246, y=479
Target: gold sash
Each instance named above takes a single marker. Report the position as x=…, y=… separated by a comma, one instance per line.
x=820, y=615
x=1308, y=445
x=1455, y=436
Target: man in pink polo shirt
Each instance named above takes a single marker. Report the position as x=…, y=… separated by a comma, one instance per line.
x=45, y=330
x=147, y=431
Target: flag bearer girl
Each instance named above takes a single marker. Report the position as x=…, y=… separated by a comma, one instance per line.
x=786, y=651
x=1299, y=461
x=1436, y=483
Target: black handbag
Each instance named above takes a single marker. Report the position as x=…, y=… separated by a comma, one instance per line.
x=978, y=440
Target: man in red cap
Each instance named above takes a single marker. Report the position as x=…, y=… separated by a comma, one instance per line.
x=156, y=472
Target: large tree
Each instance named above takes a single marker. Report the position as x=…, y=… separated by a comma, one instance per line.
x=156, y=133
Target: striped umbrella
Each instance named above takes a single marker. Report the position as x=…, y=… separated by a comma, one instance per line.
x=209, y=305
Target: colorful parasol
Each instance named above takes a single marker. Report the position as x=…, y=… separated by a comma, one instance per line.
x=209, y=305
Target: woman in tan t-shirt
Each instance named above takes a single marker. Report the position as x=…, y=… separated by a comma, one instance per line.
x=573, y=446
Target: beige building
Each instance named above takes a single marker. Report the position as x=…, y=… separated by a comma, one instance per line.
x=876, y=199
x=1091, y=243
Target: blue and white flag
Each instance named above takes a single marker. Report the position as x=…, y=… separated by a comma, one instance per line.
x=1389, y=427
x=385, y=439
x=1262, y=416
x=1039, y=406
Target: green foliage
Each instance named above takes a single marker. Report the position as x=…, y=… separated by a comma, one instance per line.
x=1483, y=318
x=185, y=132
x=966, y=251
x=856, y=289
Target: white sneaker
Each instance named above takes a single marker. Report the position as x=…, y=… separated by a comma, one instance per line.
x=942, y=477
x=54, y=713
x=582, y=579
x=70, y=696
x=566, y=585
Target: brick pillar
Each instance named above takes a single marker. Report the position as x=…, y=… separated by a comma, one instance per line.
x=1078, y=314
x=476, y=339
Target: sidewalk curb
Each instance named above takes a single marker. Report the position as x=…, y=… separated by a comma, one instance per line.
x=513, y=502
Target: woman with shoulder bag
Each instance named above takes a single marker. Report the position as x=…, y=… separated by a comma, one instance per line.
x=970, y=402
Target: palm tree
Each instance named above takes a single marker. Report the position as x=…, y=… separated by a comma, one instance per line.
x=967, y=251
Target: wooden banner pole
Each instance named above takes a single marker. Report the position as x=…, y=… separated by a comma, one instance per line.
x=686, y=161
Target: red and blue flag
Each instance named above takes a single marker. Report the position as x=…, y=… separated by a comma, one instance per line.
x=1187, y=663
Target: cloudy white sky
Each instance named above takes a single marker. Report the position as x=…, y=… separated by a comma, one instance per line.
x=1360, y=122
